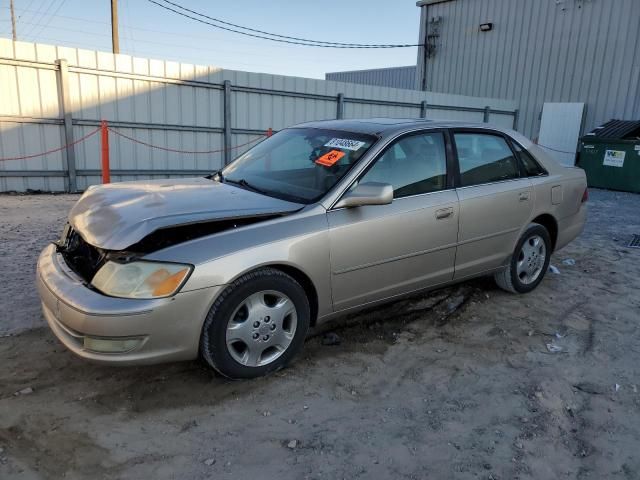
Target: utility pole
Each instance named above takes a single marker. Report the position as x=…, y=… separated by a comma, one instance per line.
x=115, y=40
x=13, y=21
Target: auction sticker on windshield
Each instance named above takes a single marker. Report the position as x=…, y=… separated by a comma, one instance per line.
x=329, y=159
x=344, y=143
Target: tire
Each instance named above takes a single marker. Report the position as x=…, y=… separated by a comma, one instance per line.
x=529, y=262
x=256, y=325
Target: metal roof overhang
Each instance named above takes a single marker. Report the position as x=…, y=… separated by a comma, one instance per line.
x=424, y=3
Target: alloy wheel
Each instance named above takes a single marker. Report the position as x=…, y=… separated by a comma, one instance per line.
x=261, y=328
x=531, y=259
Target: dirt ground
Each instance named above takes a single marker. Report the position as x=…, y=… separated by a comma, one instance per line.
x=468, y=382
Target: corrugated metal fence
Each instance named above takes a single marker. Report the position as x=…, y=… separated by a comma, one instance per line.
x=53, y=96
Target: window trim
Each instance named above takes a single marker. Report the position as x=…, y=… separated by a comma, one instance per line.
x=449, y=162
x=484, y=131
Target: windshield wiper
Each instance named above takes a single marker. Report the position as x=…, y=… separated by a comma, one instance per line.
x=217, y=173
x=243, y=183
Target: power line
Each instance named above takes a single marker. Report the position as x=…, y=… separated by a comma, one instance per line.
x=131, y=42
x=26, y=9
x=154, y=53
x=46, y=24
x=306, y=40
x=141, y=29
x=280, y=38
x=164, y=53
x=41, y=17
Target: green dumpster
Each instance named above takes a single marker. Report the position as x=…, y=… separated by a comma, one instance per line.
x=610, y=156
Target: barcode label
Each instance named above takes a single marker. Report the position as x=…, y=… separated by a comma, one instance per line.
x=344, y=143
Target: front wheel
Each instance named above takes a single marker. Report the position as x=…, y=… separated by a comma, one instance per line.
x=256, y=326
x=529, y=261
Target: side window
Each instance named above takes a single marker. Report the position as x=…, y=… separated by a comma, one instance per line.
x=484, y=158
x=531, y=166
x=413, y=165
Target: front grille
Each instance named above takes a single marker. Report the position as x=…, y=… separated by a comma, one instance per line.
x=635, y=242
x=81, y=257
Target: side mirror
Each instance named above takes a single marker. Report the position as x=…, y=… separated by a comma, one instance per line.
x=370, y=193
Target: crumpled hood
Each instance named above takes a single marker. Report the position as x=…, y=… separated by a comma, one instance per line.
x=118, y=215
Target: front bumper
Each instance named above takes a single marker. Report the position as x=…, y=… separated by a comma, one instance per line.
x=168, y=329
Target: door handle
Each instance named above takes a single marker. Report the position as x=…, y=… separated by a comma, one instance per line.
x=524, y=196
x=444, y=213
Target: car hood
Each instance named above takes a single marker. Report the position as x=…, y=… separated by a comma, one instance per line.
x=118, y=215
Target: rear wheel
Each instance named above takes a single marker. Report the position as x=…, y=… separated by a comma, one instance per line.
x=529, y=262
x=256, y=326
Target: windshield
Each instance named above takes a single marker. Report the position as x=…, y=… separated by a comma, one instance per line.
x=298, y=164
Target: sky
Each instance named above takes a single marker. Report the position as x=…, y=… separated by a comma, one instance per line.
x=146, y=30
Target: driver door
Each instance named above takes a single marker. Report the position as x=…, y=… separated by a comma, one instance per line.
x=380, y=251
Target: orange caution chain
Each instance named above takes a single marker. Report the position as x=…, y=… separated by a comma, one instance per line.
x=329, y=159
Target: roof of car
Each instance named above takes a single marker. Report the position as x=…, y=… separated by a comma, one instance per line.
x=386, y=126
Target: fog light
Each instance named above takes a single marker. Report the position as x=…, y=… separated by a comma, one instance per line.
x=111, y=345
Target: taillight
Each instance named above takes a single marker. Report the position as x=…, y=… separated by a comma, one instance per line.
x=585, y=195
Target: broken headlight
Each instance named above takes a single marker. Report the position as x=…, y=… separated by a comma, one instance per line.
x=141, y=279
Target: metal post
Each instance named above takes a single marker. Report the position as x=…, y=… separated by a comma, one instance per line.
x=65, y=97
x=423, y=109
x=115, y=38
x=227, y=122
x=516, y=114
x=487, y=112
x=104, y=136
x=340, y=106
x=13, y=21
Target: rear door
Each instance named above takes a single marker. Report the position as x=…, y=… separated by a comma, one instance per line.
x=495, y=201
x=380, y=251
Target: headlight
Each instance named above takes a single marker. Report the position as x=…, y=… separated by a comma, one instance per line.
x=140, y=279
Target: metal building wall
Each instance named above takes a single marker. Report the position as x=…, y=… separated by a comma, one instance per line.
x=394, y=77
x=171, y=105
x=538, y=51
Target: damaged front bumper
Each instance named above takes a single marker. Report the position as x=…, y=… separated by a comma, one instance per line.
x=117, y=330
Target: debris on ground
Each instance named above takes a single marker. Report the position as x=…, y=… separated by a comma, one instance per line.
x=186, y=426
x=210, y=461
x=569, y=261
x=554, y=269
x=292, y=444
x=24, y=391
x=455, y=303
x=331, y=338
x=617, y=387
x=589, y=387
x=553, y=348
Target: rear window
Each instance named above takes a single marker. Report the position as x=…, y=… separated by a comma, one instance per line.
x=531, y=166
